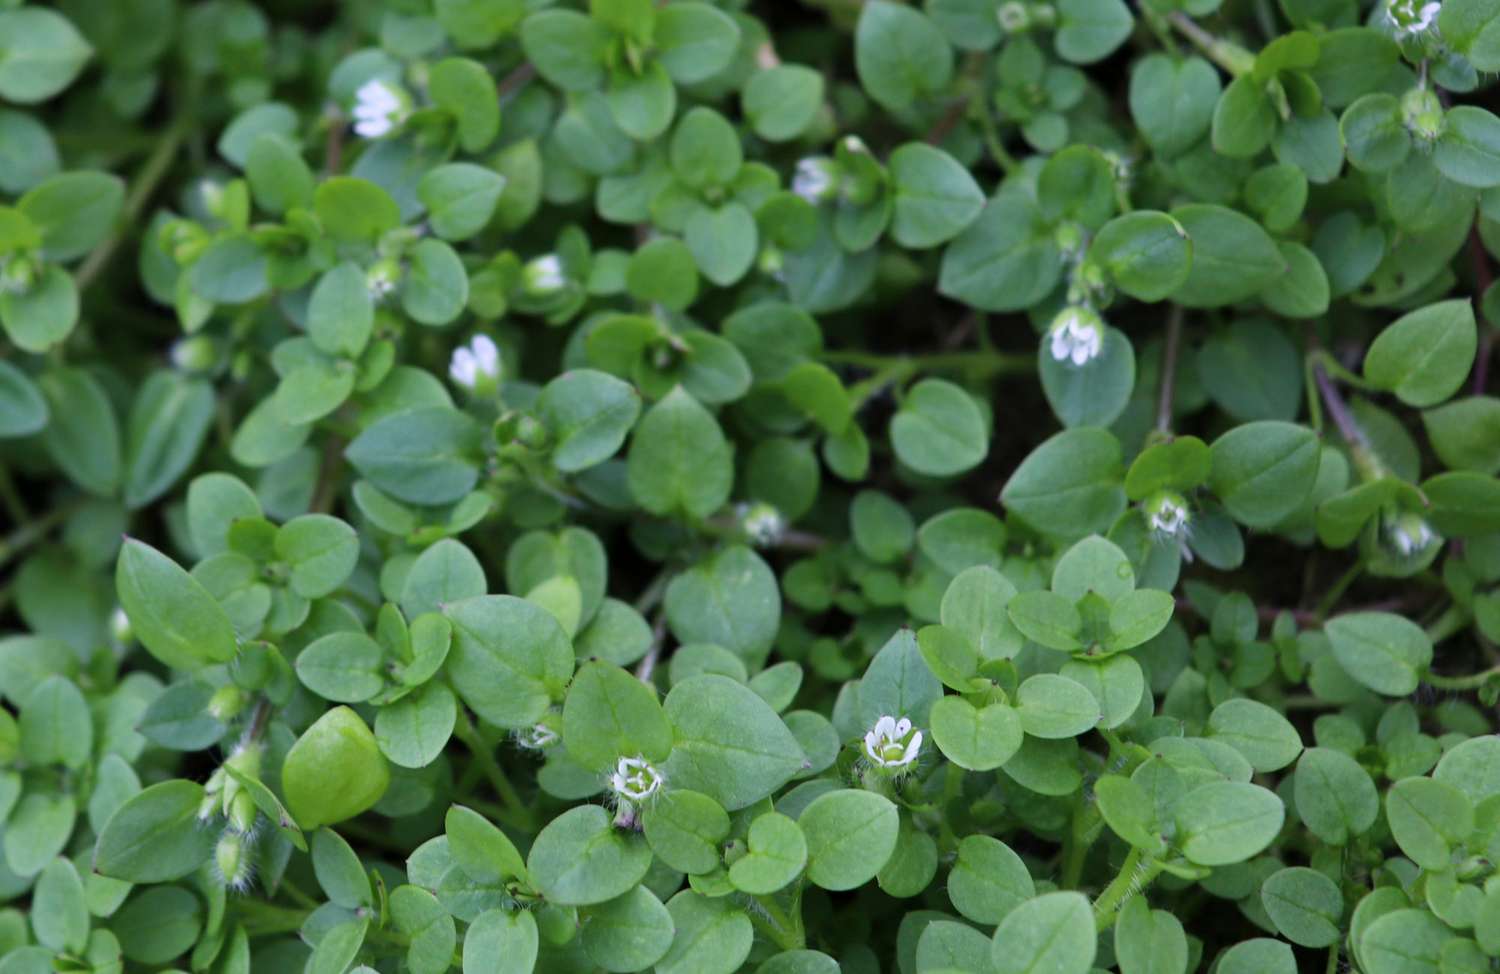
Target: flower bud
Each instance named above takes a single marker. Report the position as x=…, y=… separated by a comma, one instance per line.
x=120, y=629
x=226, y=703
x=196, y=353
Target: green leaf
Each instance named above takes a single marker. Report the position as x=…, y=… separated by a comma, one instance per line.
x=1383, y=651
x=341, y=314
x=728, y=743
x=1261, y=955
x=1428, y=818
x=1425, y=355
x=679, y=461
x=609, y=714
x=321, y=552
x=1224, y=822
x=1053, y=706
x=429, y=927
x=988, y=881
x=685, y=828
x=1051, y=934
x=44, y=315
x=154, y=836
x=1007, y=259
x=1305, y=905
x=1468, y=151
x=1233, y=257
x=465, y=90
x=510, y=658
x=1090, y=30
x=1244, y=118
x=173, y=615
x=482, y=851
x=334, y=771
x=1070, y=485
x=939, y=430
x=935, y=197
x=1335, y=797
x=168, y=423
x=460, y=198
x=1149, y=941
x=41, y=56
x=355, y=210
x=423, y=455
x=776, y=852
x=345, y=667
x=628, y=933
x=730, y=599
x=60, y=914
x=23, y=411
x=579, y=858
x=977, y=739
x=781, y=102
x=502, y=942
x=339, y=871
x=1472, y=28
x=1264, y=471
x=588, y=414
x=436, y=286
x=705, y=149
x=413, y=731
x=850, y=836
x=713, y=936
x=900, y=54
x=1147, y=254
x=1266, y=739
x=1047, y=618
x=1172, y=101
x=55, y=724
x=695, y=41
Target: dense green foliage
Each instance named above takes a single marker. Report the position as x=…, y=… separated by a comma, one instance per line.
x=699, y=486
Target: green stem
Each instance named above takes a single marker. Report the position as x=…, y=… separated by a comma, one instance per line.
x=1231, y=57
x=1472, y=682
x=1337, y=590
x=1454, y=618
x=267, y=919
x=484, y=755
x=991, y=134
x=153, y=170
x=1082, y=831
x=981, y=363
x=783, y=928
x=15, y=505
x=1135, y=875
x=35, y=530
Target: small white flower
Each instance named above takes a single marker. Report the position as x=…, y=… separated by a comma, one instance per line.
x=544, y=275
x=815, y=178
x=761, y=523
x=537, y=737
x=1410, y=18
x=1409, y=535
x=1167, y=515
x=892, y=743
x=381, y=279
x=1076, y=336
x=635, y=779
x=476, y=366
x=377, y=109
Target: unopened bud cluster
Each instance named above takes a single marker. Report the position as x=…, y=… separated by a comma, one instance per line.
x=225, y=797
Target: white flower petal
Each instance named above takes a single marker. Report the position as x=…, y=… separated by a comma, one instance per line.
x=885, y=727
